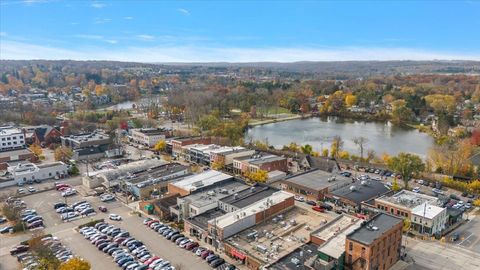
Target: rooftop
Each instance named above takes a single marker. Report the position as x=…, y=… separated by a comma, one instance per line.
x=202, y=220
x=426, y=210
x=408, y=199
x=300, y=254
x=15, y=153
x=232, y=217
x=152, y=131
x=249, y=196
x=10, y=131
x=335, y=232
x=124, y=171
x=216, y=193
x=203, y=179
x=374, y=228
x=359, y=192
x=96, y=135
x=51, y=164
x=157, y=174
x=280, y=236
x=317, y=179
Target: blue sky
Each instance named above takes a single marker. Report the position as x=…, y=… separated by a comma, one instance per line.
x=239, y=31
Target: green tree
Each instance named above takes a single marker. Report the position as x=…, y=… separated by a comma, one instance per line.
x=407, y=165
x=395, y=186
x=63, y=153
x=307, y=149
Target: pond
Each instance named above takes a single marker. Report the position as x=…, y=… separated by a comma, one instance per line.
x=381, y=137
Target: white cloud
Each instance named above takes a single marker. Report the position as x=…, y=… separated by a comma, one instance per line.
x=101, y=20
x=21, y=50
x=128, y=18
x=111, y=41
x=184, y=11
x=98, y=5
x=145, y=37
x=96, y=37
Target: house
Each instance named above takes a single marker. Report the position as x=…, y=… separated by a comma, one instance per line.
x=28, y=172
x=376, y=244
x=45, y=135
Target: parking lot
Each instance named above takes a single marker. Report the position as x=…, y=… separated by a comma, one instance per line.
x=43, y=202
x=469, y=234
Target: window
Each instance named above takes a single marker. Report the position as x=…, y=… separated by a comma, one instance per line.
x=350, y=246
x=349, y=258
x=21, y=137
x=14, y=138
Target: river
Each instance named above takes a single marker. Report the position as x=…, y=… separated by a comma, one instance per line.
x=319, y=133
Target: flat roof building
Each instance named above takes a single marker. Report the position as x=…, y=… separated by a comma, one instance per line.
x=401, y=203
x=376, y=244
x=197, y=182
x=358, y=193
x=11, y=139
x=314, y=184
x=150, y=136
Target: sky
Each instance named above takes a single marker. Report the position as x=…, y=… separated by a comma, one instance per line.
x=239, y=31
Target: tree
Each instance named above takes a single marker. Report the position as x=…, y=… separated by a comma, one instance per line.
x=325, y=152
x=360, y=142
x=63, y=153
x=407, y=165
x=336, y=147
x=75, y=264
x=36, y=150
x=395, y=186
x=217, y=165
x=259, y=176
x=400, y=112
x=160, y=146
x=350, y=100
x=307, y=149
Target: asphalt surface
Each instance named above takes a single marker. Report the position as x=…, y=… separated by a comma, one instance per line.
x=469, y=234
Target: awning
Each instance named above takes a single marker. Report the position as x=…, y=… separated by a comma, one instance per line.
x=237, y=254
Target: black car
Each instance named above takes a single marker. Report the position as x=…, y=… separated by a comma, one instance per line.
x=175, y=237
x=326, y=206
x=59, y=204
x=311, y=202
x=217, y=262
x=18, y=249
x=346, y=174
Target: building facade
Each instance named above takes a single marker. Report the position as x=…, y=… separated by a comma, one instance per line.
x=29, y=172
x=150, y=136
x=11, y=139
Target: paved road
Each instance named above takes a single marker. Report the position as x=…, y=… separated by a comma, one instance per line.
x=469, y=234
x=438, y=256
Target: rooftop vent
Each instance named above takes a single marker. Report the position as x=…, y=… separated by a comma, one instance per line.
x=353, y=188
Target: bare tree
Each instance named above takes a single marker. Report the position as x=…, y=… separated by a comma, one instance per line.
x=360, y=142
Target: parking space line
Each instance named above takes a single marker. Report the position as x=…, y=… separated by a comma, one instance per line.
x=465, y=239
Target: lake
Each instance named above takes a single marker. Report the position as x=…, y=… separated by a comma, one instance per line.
x=319, y=133
x=127, y=105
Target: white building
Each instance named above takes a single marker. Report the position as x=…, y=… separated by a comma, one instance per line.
x=11, y=138
x=149, y=136
x=429, y=219
x=29, y=172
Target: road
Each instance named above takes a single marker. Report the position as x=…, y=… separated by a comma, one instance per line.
x=438, y=256
x=469, y=234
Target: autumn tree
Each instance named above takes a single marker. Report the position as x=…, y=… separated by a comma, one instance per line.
x=218, y=165
x=36, y=150
x=307, y=149
x=63, y=153
x=75, y=264
x=160, y=146
x=350, y=100
x=407, y=165
x=336, y=147
x=400, y=112
x=259, y=176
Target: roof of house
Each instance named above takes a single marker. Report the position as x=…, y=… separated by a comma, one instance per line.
x=317, y=179
x=249, y=196
x=359, y=192
x=42, y=132
x=427, y=210
x=322, y=163
x=374, y=228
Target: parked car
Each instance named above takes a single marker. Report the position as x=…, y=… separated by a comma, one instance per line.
x=69, y=192
x=216, y=263
x=115, y=217
x=416, y=190
x=102, y=209
x=299, y=198
x=18, y=249
x=310, y=202
x=6, y=229
x=107, y=197
x=32, y=189
x=21, y=191
x=59, y=205
x=318, y=209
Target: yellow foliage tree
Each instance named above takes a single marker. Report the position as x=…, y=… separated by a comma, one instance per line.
x=217, y=165
x=344, y=155
x=325, y=152
x=258, y=176
x=406, y=224
x=36, y=150
x=63, y=153
x=75, y=264
x=350, y=100
x=160, y=146
x=395, y=186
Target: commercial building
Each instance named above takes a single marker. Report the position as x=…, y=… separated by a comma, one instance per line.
x=150, y=136
x=429, y=219
x=87, y=146
x=355, y=195
x=314, y=184
x=259, y=161
x=177, y=144
x=273, y=243
x=403, y=202
x=197, y=182
x=29, y=172
x=225, y=155
x=374, y=245
x=15, y=156
x=239, y=220
x=331, y=241
x=11, y=139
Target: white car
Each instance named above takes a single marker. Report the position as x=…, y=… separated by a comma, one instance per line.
x=115, y=217
x=416, y=190
x=69, y=192
x=299, y=198
x=106, y=197
x=21, y=191
x=32, y=189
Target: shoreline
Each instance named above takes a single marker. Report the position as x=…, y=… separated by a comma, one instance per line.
x=270, y=121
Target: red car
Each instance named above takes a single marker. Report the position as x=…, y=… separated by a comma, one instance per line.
x=63, y=188
x=152, y=221
x=149, y=261
x=205, y=254
x=191, y=245
x=318, y=209
x=61, y=185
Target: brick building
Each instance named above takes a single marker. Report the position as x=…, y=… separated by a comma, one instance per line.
x=376, y=245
